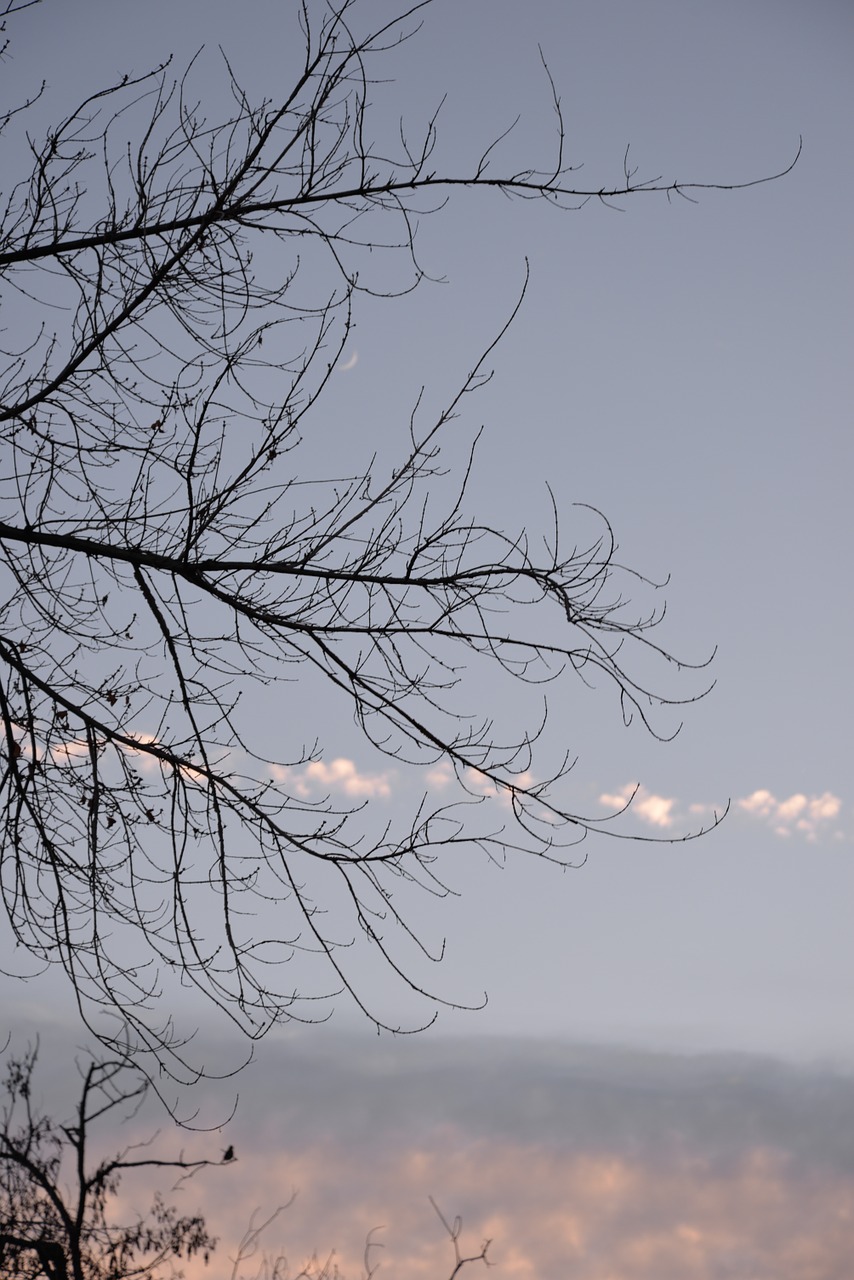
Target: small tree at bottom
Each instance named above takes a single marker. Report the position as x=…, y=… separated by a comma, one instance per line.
x=55, y=1196
x=58, y=1199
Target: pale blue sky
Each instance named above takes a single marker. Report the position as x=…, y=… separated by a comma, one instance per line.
x=686, y=368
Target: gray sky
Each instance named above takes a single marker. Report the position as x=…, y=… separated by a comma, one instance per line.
x=687, y=369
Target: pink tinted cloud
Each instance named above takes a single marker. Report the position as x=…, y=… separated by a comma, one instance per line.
x=579, y=1163
x=550, y=1213
x=807, y=815
x=652, y=809
x=340, y=775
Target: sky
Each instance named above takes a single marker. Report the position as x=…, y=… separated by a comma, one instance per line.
x=661, y=1079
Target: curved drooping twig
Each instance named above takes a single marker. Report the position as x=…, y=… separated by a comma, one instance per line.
x=172, y=540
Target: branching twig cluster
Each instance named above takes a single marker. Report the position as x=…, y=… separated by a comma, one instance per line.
x=182, y=287
x=269, y=1266
x=57, y=1218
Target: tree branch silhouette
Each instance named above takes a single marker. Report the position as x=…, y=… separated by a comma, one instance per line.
x=165, y=552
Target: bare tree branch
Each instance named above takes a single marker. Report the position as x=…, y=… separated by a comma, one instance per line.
x=56, y=1216
x=167, y=556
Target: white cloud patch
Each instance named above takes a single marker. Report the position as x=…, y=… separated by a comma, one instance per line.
x=798, y=814
x=440, y=776
x=340, y=774
x=810, y=817
x=145, y=761
x=480, y=784
x=705, y=810
x=69, y=751
x=654, y=810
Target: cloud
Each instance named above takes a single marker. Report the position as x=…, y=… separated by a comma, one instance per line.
x=440, y=776
x=761, y=803
x=799, y=814
x=340, y=774
x=146, y=761
x=576, y=1161
x=73, y=750
x=808, y=815
x=581, y=1162
x=70, y=751
x=654, y=810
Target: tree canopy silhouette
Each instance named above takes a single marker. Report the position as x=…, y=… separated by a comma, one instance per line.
x=64, y=1211
x=182, y=279
x=58, y=1217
